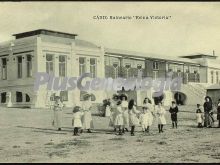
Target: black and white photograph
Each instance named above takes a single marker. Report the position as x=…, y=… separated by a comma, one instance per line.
x=109, y=82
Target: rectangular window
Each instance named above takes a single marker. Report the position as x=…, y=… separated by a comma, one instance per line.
x=155, y=75
x=29, y=66
x=19, y=97
x=217, y=78
x=212, y=77
x=3, y=97
x=82, y=65
x=155, y=65
x=4, y=68
x=140, y=71
x=93, y=67
x=64, y=95
x=49, y=64
x=62, y=66
x=19, y=60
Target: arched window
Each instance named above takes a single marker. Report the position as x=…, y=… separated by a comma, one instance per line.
x=82, y=65
x=127, y=66
x=27, y=98
x=115, y=65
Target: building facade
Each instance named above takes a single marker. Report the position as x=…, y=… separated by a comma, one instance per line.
x=62, y=55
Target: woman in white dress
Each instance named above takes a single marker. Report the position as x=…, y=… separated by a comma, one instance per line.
x=124, y=105
x=119, y=120
x=58, y=113
x=87, y=122
x=133, y=120
x=113, y=107
x=161, y=120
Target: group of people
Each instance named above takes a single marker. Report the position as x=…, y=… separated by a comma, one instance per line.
x=82, y=117
x=206, y=119
x=124, y=116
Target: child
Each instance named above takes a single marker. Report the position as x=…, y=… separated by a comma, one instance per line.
x=160, y=111
x=218, y=113
x=133, y=120
x=119, y=120
x=144, y=119
x=199, y=116
x=76, y=121
x=108, y=110
x=174, y=110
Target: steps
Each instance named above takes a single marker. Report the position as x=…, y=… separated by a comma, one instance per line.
x=195, y=93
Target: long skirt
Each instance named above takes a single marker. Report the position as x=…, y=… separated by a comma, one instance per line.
x=58, y=115
x=119, y=120
x=126, y=119
x=133, y=120
x=208, y=120
x=150, y=120
x=107, y=112
x=77, y=123
x=87, y=122
x=161, y=119
x=112, y=119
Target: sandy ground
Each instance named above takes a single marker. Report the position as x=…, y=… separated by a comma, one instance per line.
x=27, y=136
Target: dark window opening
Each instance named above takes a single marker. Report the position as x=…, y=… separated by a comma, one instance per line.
x=19, y=97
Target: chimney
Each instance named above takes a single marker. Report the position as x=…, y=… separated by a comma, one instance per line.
x=213, y=53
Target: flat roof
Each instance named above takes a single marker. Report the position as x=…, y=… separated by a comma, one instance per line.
x=199, y=56
x=45, y=32
x=214, y=86
x=149, y=56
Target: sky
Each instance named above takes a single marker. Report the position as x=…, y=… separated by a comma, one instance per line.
x=192, y=27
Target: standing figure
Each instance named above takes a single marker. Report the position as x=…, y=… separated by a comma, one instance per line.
x=199, y=116
x=133, y=120
x=145, y=119
x=87, y=122
x=161, y=120
x=173, y=111
x=119, y=120
x=150, y=110
x=108, y=110
x=76, y=121
x=124, y=105
x=58, y=113
x=218, y=113
x=207, y=112
x=113, y=107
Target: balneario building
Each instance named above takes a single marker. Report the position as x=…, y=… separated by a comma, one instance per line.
x=63, y=55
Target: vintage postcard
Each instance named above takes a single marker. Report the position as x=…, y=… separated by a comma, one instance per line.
x=110, y=82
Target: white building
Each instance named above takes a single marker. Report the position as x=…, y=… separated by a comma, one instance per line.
x=65, y=56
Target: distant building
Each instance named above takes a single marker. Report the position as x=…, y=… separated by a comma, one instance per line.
x=65, y=56
x=214, y=92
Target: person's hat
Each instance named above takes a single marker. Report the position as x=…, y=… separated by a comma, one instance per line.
x=119, y=102
x=76, y=109
x=86, y=96
x=115, y=97
x=123, y=95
